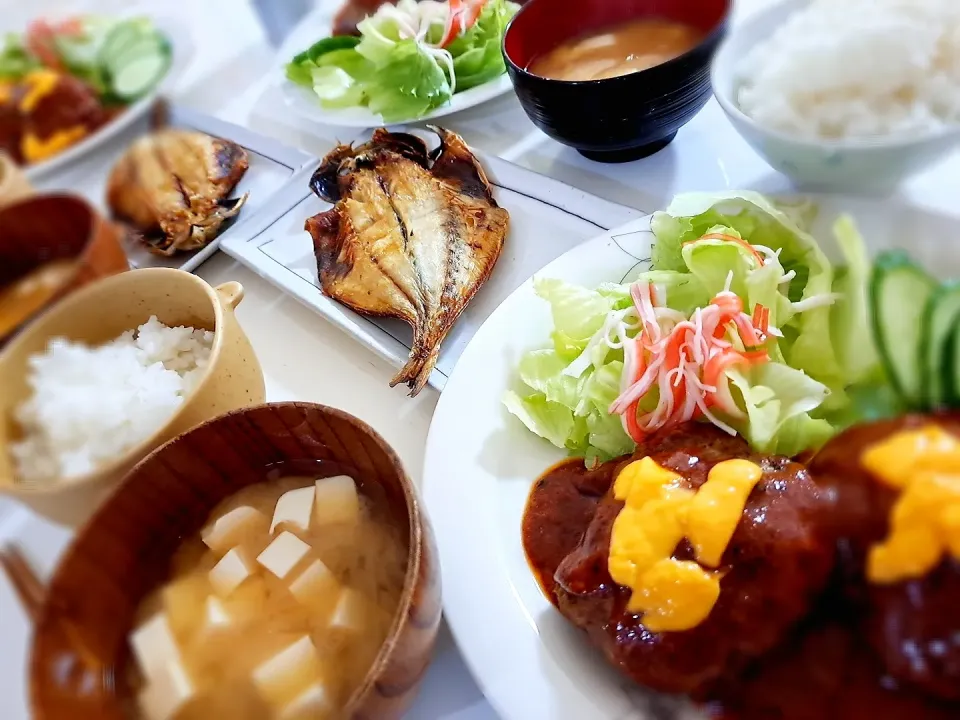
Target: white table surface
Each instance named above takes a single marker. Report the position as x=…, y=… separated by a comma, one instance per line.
x=305, y=358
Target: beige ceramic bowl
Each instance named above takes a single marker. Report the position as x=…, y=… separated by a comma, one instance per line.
x=13, y=183
x=101, y=312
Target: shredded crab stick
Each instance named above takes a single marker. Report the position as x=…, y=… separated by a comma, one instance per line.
x=686, y=361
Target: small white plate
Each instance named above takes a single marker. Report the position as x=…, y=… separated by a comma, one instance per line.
x=481, y=462
x=301, y=100
x=271, y=165
x=182, y=51
x=547, y=218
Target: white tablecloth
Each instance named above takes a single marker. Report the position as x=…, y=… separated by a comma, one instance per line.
x=307, y=359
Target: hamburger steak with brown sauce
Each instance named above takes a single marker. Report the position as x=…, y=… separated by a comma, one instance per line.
x=912, y=625
x=775, y=564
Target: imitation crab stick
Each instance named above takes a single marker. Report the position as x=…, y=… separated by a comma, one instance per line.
x=687, y=362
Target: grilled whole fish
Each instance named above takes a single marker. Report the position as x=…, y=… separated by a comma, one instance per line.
x=407, y=238
x=172, y=186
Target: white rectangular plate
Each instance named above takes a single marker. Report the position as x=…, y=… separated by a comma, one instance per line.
x=547, y=218
x=271, y=165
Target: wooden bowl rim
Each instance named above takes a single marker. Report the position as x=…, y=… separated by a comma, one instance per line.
x=415, y=524
x=64, y=308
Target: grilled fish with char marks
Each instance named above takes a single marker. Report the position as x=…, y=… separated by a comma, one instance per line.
x=172, y=186
x=407, y=238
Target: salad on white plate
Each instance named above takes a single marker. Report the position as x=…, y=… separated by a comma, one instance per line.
x=743, y=322
x=410, y=59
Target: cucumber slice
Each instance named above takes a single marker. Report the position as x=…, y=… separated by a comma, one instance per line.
x=951, y=366
x=118, y=39
x=141, y=75
x=940, y=316
x=899, y=292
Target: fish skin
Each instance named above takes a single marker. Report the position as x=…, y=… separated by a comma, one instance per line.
x=172, y=185
x=407, y=238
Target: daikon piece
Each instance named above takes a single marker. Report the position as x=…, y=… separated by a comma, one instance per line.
x=294, y=508
x=168, y=691
x=316, y=587
x=284, y=677
x=283, y=554
x=314, y=702
x=248, y=601
x=154, y=646
x=336, y=500
x=227, y=574
x=228, y=530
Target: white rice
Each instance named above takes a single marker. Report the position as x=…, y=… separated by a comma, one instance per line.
x=91, y=405
x=857, y=69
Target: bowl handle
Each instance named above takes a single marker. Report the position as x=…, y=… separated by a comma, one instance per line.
x=231, y=293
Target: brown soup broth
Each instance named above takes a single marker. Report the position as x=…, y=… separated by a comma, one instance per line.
x=369, y=558
x=621, y=49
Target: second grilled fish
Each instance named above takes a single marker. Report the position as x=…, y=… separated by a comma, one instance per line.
x=407, y=238
x=172, y=186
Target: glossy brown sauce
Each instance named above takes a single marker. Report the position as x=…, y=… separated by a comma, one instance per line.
x=825, y=671
x=619, y=50
x=25, y=297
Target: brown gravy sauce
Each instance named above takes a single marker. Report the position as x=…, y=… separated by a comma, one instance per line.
x=823, y=672
x=618, y=50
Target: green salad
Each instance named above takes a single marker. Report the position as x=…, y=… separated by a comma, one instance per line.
x=409, y=59
x=120, y=59
x=742, y=322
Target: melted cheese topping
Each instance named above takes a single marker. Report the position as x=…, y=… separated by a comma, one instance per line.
x=39, y=84
x=34, y=149
x=924, y=465
x=658, y=512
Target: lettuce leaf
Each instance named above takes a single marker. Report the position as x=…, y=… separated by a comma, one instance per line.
x=477, y=56
x=807, y=345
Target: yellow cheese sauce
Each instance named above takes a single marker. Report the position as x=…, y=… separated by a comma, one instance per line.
x=35, y=150
x=924, y=465
x=39, y=84
x=658, y=512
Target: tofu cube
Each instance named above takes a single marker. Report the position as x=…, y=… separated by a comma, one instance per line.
x=287, y=674
x=154, y=646
x=317, y=587
x=215, y=618
x=294, y=508
x=228, y=530
x=227, y=574
x=168, y=691
x=314, y=702
x=180, y=602
x=247, y=602
x=283, y=554
x=336, y=501
x=349, y=615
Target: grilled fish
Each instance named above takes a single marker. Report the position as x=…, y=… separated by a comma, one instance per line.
x=407, y=238
x=172, y=186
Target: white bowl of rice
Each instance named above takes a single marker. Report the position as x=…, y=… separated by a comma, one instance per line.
x=111, y=373
x=851, y=95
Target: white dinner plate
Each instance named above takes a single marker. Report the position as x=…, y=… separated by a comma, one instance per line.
x=480, y=463
x=182, y=51
x=318, y=25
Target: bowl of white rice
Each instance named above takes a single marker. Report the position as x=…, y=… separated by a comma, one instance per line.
x=108, y=375
x=854, y=95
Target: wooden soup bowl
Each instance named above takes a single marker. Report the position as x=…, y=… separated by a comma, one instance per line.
x=42, y=228
x=79, y=655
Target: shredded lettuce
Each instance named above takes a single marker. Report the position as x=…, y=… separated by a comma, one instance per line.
x=821, y=366
x=396, y=68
